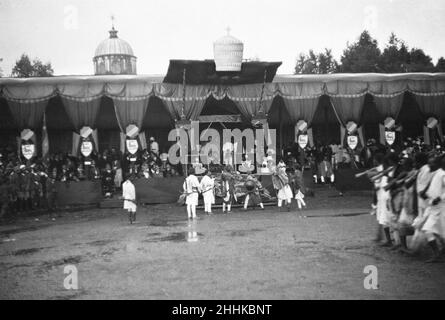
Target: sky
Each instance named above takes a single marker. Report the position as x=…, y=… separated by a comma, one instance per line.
x=67, y=32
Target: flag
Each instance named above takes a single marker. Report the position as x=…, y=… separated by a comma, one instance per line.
x=45, y=141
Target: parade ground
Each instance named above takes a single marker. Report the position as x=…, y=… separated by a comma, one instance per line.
x=242, y=255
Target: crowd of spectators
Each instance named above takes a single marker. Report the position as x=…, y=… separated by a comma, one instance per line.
x=324, y=159
x=27, y=185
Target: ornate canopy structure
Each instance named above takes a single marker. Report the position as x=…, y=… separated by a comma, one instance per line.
x=81, y=95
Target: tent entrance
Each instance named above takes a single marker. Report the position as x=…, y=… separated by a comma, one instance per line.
x=220, y=115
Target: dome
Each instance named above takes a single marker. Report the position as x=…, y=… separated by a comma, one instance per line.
x=114, y=56
x=113, y=46
x=228, y=53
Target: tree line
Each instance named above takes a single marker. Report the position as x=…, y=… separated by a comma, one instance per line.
x=364, y=55
x=25, y=68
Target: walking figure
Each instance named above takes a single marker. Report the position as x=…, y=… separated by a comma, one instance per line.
x=129, y=195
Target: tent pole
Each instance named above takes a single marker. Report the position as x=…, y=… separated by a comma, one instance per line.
x=326, y=124
x=281, y=131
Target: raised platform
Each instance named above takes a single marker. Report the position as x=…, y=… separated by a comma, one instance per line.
x=111, y=203
x=78, y=193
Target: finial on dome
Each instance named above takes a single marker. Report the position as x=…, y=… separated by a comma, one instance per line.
x=113, y=32
x=228, y=30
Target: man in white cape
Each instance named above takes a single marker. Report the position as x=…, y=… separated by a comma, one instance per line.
x=129, y=196
x=207, y=186
x=191, y=188
x=434, y=226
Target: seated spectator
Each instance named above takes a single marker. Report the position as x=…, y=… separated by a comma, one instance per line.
x=145, y=170
x=81, y=172
x=154, y=146
x=117, y=170
x=108, y=181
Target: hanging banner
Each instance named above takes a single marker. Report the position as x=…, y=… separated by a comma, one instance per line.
x=301, y=135
x=352, y=141
x=303, y=140
x=86, y=148
x=28, y=150
x=390, y=137
x=132, y=145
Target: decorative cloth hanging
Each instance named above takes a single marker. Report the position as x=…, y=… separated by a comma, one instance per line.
x=27, y=144
x=348, y=111
x=303, y=135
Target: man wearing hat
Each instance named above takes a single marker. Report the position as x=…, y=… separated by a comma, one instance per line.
x=154, y=146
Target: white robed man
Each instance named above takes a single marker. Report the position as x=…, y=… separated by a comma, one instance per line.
x=191, y=188
x=434, y=226
x=207, y=189
x=423, y=181
x=383, y=211
x=129, y=196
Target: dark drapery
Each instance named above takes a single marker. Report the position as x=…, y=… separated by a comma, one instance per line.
x=82, y=112
x=431, y=105
x=348, y=108
x=389, y=106
x=252, y=99
x=173, y=97
x=130, y=112
x=301, y=109
x=28, y=115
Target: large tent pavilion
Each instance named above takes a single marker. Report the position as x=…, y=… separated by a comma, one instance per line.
x=109, y=103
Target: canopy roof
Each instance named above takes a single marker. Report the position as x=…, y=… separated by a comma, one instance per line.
x=81, y=96
x=279, y=78
x=362, y=77
x=130, y=87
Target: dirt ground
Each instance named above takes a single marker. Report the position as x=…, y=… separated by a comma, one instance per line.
x=243, y=255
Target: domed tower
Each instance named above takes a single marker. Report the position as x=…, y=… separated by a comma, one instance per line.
x=228, y=53
x=114, y=56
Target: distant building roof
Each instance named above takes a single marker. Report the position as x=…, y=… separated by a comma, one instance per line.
x=204, y=72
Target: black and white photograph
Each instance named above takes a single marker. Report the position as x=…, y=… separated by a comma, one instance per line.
x=222, y=155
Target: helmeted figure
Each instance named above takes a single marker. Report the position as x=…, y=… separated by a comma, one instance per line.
x=253, y=188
